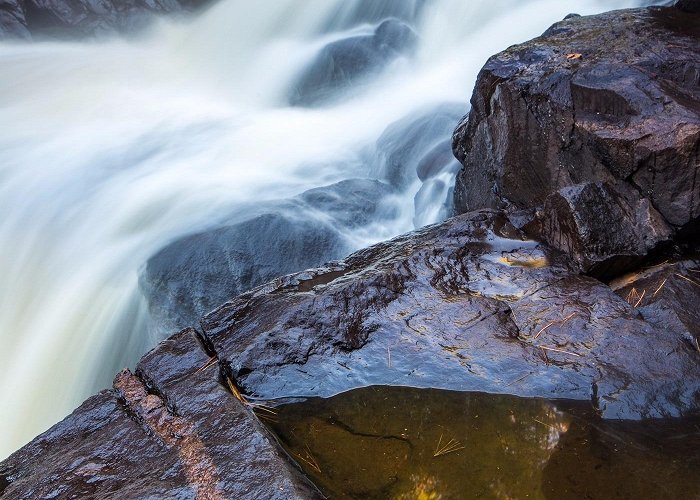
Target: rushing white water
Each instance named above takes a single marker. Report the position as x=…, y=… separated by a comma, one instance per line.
x=110, y=150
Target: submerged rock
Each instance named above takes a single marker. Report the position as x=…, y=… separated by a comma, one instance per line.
x=199, y=272
x=606, y=98
x=414, y=148
x=343, y=63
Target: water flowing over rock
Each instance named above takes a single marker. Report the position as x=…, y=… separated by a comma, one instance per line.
x=580, y=159
x=60, y=19
x=199, y=272
x=342, y=63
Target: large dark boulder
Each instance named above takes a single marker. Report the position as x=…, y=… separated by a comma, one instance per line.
x=170, y=431
x=607, y=98
x=195, y=274
x=344, y=63
x=469, y=305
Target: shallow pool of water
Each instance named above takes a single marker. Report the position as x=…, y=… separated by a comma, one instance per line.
x=397, y=442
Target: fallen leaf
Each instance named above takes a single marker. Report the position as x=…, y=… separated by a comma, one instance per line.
x=574, y=55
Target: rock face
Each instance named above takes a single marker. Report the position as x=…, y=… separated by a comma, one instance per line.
x=58, y=18
x=469, y=305
x=607, y=229
x=169, y=431
x=613, y=98
x=689, y=5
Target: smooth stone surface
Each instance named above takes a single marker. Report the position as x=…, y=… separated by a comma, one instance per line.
x=199, y=272
x=467, y=305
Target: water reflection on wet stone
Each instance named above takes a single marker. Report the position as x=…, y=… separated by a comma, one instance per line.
x=406, y=443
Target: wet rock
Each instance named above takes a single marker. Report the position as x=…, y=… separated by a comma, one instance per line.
x=82, y=18
x=195, y=274
x=199, y=272
x=343, y=63
x=606, y=229
x=352, y=202
x=688, y=6
x=355, y=12
x=414, y=147
x=12, y=22
x=178, y=436
x=470, y=304
x=613, y=97
x=667, y=295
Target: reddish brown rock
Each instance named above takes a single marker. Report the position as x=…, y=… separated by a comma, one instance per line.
x=184, y=436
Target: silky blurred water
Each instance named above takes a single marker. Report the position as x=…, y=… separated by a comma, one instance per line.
x=111, y=149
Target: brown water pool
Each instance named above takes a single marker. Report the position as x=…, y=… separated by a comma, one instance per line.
x=406, y=443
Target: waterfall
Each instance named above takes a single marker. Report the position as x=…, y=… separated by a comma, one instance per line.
x=112, y=149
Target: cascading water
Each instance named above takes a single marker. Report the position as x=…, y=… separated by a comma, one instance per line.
x=112, y=150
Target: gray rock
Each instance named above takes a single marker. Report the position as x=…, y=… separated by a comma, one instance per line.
x=344, y=63
x=171, y=431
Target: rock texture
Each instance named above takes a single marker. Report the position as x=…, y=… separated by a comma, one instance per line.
x=470, y=305
x=196, y=273
x=613, y=98
x=58, y=18
x=581, y=153
x=170, y=431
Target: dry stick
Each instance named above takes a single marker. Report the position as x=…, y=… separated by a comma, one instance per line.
x=209, y=363
x=257, y=406
x=560, y=350
x=235, y=391
x=543, y=423
x=660, y=287
x=697, y=346
x=543, y=329
x=568, y=318
x=518, y=380
x=688, y=279
x=561, y=323
x=640, y=298
x=388, y=353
